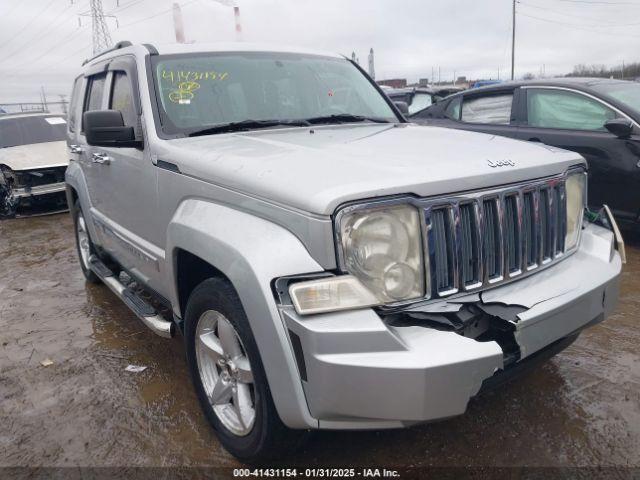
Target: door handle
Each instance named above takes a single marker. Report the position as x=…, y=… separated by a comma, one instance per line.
x=101, y=158
x=75, y=149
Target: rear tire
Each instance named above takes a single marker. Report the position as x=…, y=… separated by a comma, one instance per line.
x=229, y=377
x=84, y=245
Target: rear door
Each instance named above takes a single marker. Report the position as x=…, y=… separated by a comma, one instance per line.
x=575, y=121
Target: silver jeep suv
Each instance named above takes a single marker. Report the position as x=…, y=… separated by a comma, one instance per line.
x=329, y=265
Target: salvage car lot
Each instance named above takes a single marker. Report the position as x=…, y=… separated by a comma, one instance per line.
x=581, y=408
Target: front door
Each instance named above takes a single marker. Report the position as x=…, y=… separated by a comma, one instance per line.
x=125, y=183
x=575, y=121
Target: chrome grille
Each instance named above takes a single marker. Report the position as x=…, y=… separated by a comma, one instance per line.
x=489, y=237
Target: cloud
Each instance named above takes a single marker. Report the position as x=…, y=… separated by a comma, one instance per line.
x=41, y=43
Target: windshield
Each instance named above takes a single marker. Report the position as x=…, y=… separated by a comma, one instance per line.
x=31, y=129
x=196, y=91
x=627, y=93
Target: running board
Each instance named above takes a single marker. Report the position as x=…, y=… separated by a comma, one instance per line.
x=145, y=312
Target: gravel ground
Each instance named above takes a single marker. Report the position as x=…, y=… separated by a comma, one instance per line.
x=582, y=408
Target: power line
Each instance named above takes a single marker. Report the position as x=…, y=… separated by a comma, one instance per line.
x=598, y=25
x=29, y=22
x=12, y=8
x=57, y=45
x=163, y=12
x=38, y=36
x=124, y=7
x=577, y=27
x=585, y=2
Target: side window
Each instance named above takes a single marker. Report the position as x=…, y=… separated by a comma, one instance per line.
x=492, y=109
x=453, y=109
x=96, y=88
x=566, y=110
x=73, y=105
x=420, y=101
x=122, y=98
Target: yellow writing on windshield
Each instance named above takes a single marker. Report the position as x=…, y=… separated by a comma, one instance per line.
x=184, y=93
x=177, y=76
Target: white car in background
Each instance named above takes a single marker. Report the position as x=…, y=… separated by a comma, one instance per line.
x=33, y=160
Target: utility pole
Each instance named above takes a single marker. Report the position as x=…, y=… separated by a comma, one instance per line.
x=236, y=16
x=63, y=103
x=372, y=69
x=513, y=42
x=101, y=36
x=45, y=107
x=178, y=24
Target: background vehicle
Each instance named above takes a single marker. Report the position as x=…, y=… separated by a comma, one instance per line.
x=485, y=83
x=319, y=253
x=419, y=98
x=416, y=98
x=33, y=159
x=597, y=118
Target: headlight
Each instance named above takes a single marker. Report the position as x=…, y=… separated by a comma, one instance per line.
x=382, y=248
x=575, y=190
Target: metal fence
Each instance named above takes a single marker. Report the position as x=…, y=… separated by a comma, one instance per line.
x=34, y=107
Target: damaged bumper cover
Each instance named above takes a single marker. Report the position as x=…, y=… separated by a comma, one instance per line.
x=31, y=189
x=370, y=369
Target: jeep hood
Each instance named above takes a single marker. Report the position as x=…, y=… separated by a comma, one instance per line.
x=35, y=155
x=317, y=169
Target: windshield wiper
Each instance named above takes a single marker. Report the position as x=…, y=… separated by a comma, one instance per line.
x=247, y=125
x=345, y=118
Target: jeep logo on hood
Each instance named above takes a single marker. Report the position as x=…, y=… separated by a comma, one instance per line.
x=501, y=163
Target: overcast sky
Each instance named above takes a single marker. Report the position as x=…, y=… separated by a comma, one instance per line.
x=42, y=44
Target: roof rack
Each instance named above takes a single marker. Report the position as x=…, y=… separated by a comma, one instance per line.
x=117, y=46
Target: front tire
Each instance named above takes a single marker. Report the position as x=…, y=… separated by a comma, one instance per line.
x=229, y=377
x=84, y=245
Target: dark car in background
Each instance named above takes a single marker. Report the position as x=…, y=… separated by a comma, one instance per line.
x=598, y=118
x=419, y=98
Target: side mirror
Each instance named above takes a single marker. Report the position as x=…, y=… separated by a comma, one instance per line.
x=620, y=127
x=105, y=128
x=403, y=107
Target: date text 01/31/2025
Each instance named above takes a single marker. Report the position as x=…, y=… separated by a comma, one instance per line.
x=316, y=472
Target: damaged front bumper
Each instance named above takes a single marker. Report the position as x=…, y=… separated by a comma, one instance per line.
x=36, y=190
x=376, y=369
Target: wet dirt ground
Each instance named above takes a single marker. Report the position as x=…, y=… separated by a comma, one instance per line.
x=580, y=409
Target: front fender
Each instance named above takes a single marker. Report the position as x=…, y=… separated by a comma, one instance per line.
x=74, y=177
x=251, y=252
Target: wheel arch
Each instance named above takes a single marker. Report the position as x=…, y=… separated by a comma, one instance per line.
x=209, y=239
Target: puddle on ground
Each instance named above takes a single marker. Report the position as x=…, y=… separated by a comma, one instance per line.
x=581, y=408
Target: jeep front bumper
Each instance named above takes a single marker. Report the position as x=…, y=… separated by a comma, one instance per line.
x=359, y=371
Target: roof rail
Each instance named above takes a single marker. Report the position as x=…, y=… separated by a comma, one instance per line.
x=152, y=50
x=117, y=46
